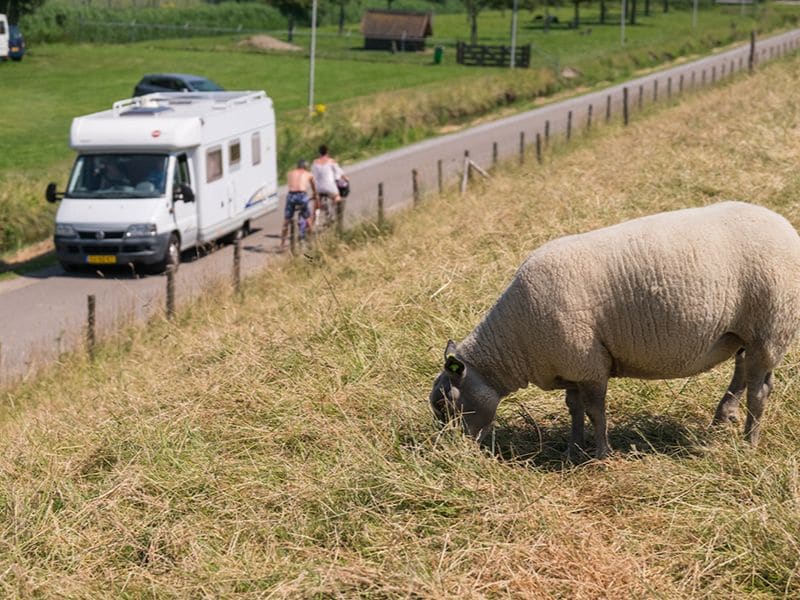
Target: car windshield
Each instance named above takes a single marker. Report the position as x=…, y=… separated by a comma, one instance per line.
x=13, y=31
x=118, y=176
x=204, y=85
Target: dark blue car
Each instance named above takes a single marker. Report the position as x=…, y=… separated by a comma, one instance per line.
x=16, y=43
x=174, y=82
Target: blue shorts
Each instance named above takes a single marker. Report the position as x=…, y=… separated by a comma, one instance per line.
x=296, y=201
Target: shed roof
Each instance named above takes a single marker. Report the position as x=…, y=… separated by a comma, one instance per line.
x=396, y=24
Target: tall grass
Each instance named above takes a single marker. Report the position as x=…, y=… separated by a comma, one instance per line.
x=281, y=444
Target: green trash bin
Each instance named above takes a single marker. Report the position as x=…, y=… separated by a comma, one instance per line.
x=438, y=53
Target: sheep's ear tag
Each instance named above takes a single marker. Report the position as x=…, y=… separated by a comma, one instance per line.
x=453, y=365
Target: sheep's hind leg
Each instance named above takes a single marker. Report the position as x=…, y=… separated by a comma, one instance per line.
x=575, y=453
x=594, y=400
x=759, y=385
x=727, y=409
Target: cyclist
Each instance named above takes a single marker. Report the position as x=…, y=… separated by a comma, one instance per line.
x=298, y=181
x=327, y=172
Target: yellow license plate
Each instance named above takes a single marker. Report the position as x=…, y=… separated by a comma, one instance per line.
x=94, y=259
x=14, y=49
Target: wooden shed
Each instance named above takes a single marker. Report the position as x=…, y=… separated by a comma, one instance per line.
x=401, y=30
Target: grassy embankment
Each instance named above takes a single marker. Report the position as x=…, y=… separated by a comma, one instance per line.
x=282, y=443
x=372, y=105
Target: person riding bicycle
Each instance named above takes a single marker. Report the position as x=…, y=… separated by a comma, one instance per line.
x=298, y=181
x=327, y=172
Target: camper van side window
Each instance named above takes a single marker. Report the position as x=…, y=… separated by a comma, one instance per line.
x=182, y=171
x=255, y=144
x=214, y=165
x=234, y=155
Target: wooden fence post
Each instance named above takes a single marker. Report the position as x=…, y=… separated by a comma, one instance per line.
x=669, y=88
x=680, y=84
x=589, y=118
x=693, y=78
x=713, y=74
x=547, y=133
x=340, y=217
x=439, y=176
x=415, y=185
x=237, y=265
x=521, y=147
x=569, y=125
x=655, y=91
x=625, y=105
x=465, y=173
x=751, y=60
x=608, y=108
x=538, y=148
x=91, y=338
x=380, y=203
x=170, y=292
x=494, y=153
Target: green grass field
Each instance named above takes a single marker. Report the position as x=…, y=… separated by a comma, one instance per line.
x=57, y=82
x=277, y=446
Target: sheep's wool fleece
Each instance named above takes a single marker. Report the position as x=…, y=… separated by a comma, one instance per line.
x=669, y=295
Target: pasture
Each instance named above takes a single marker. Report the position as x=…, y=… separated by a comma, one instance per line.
x=375, y=101
x=280, y=444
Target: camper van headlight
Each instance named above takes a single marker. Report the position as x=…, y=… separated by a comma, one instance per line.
x=141, y=230
x=64, y=230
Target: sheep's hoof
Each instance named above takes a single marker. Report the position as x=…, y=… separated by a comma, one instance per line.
x=725, y=418
x=575, y=455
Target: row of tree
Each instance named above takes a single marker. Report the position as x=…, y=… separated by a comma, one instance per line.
x=298, y=11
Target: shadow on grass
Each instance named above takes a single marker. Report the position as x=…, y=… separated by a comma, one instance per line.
x=28, y=266
x=544, y=445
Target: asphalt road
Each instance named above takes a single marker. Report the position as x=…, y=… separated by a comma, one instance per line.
x=44, y=314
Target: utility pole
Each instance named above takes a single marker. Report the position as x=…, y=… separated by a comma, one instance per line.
x=622, y=24
x=514, y=33
x=313, y=52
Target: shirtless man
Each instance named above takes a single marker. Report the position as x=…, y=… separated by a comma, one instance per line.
x=298, y=180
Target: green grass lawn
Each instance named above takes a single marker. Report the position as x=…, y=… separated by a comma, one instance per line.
x=278, y=443
x=56, y=82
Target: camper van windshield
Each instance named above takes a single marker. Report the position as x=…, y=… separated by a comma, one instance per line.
x=118, y=176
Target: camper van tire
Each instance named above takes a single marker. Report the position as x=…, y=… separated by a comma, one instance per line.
x=172, y=256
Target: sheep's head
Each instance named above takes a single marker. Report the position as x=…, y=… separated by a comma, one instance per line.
x=461, y=392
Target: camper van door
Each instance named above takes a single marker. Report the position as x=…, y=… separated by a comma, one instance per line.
x=3, y=37
x=185, y=212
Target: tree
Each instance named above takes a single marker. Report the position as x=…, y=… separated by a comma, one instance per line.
x=16, y=8
x=293, y=10
x=474, y=8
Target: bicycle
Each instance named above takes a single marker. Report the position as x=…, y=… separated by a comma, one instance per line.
x=323, y=216
x=327, y=214
x=299, y=229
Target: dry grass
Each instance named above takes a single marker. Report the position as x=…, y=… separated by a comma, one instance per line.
x=281, y=446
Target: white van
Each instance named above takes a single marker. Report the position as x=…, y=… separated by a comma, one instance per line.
x=3, y=37
x=161, y=173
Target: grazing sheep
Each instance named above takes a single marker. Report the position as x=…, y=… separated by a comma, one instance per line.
x=665, y=296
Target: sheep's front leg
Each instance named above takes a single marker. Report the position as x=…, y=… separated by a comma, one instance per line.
x=727, y=408
x=594, y=399
x=575, y=404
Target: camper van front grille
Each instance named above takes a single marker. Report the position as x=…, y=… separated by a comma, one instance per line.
x=103, y=235
x=97, y=249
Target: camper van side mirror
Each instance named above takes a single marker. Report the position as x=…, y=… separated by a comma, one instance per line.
x=184, y=193
x=51, y=195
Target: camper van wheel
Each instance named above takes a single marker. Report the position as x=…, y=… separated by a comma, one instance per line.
x=172, y=255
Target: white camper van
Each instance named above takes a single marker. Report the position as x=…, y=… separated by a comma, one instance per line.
x=161, y=173
x=3, y=36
